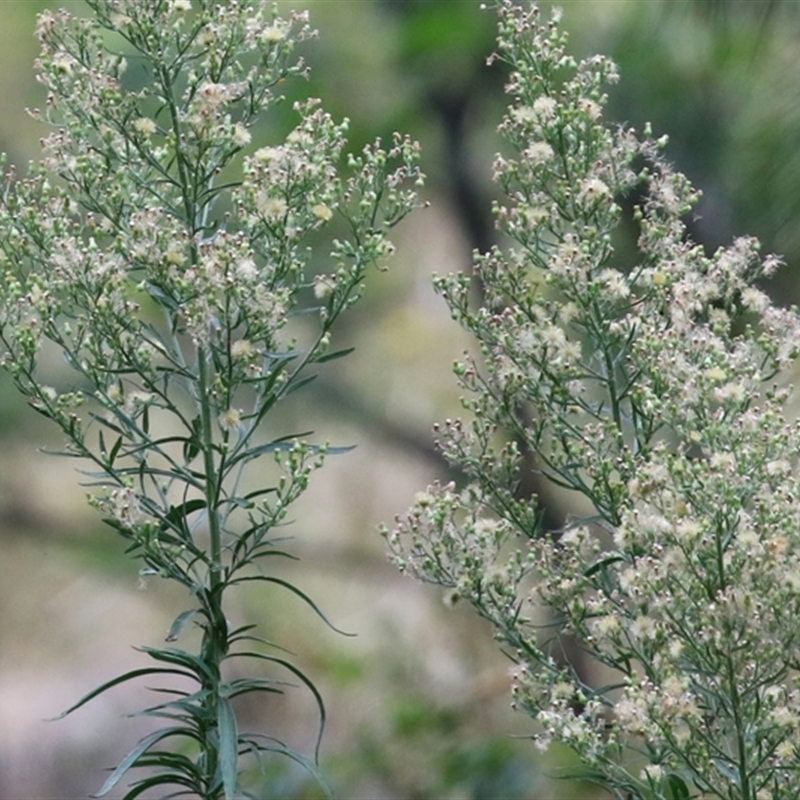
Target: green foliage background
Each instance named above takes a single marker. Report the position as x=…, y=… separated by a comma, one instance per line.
x=418, y=702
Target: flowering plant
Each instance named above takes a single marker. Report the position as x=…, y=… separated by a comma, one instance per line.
x=648, y=389
x=164, y=256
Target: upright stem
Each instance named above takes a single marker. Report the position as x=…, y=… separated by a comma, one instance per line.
x=215, y=638
x=210, y=470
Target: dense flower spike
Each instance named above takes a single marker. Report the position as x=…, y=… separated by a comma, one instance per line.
x=648, y=389
x=163, y=253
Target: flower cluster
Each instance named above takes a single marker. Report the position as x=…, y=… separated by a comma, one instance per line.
x=649, y=389
x=163, y=254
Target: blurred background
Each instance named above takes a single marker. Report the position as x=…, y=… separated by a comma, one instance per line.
x=418, y=700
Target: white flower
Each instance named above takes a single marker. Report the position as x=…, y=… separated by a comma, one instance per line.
x=265, y=154
x=247, y=269
x=538, y=152
x=272, y=34
x=240, y=136
x=63, y=62
x=593, y=189
x=229, y=419
x=273, y=208
x=590, y=108
x=322, y=212
x=545, y=107
x=145, y=125
x=211, y=96
x=323, y=286
x=754, y=299
x=614, y=281
x=241, y=348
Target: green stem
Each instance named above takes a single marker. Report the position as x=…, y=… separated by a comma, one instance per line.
x=741, y=747
x=215, y=638
x=210, y=469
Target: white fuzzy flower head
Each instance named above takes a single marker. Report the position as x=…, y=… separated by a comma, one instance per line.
x=538, y=152
x=229, y=419
x=545, y=108
x=594, y=189
x=145, y=125
x=272, y=34
x=614, y=281
x=211, y=96
x=242, y=349
x=247, y=269
x=264, y=155
x=240, y=136
x=754, y=299
x=590, y=108
x=323, y=286
x=322, y=212
x=273, y=208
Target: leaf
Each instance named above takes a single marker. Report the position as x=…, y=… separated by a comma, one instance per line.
x=106, y=423
x=40, y=410
x=283, y=444
x=678, y=787
x=177, y=514
x=279, y=747
x=228, y=746
x=727, y=770
x=298, y=384
x=180, y=623
x=171, y=655
x=161, y=297
x=323, y=715
x=301, y=594
x=602, y=563
x=191, y=446
x=134, y=673
x=114, y=451
x=157, y=780
x=338, y=451
x=130, y=760
x=334, y=356
x=251, y=685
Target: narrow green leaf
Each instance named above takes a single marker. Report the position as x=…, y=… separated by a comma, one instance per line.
x=236, y=688
x=178, y=514
x=128, y=676
x=276, y=746
x=338, y=451
x=161, y=297
x=678, y=787
x=140, y=787
x=334, y=356
x=173, y=656
x=114, y=450
x=191, y=446
x=727, y=770
x=260, y=492
x=180, y=623
x=106, y=423
x=130, y=760
x=323, y=714
x=298, y=384
x=41, y=410
x=294, y=590
x=603, y=562
x=228, y=746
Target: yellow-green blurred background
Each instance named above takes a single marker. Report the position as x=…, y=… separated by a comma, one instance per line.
x=418, y=701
